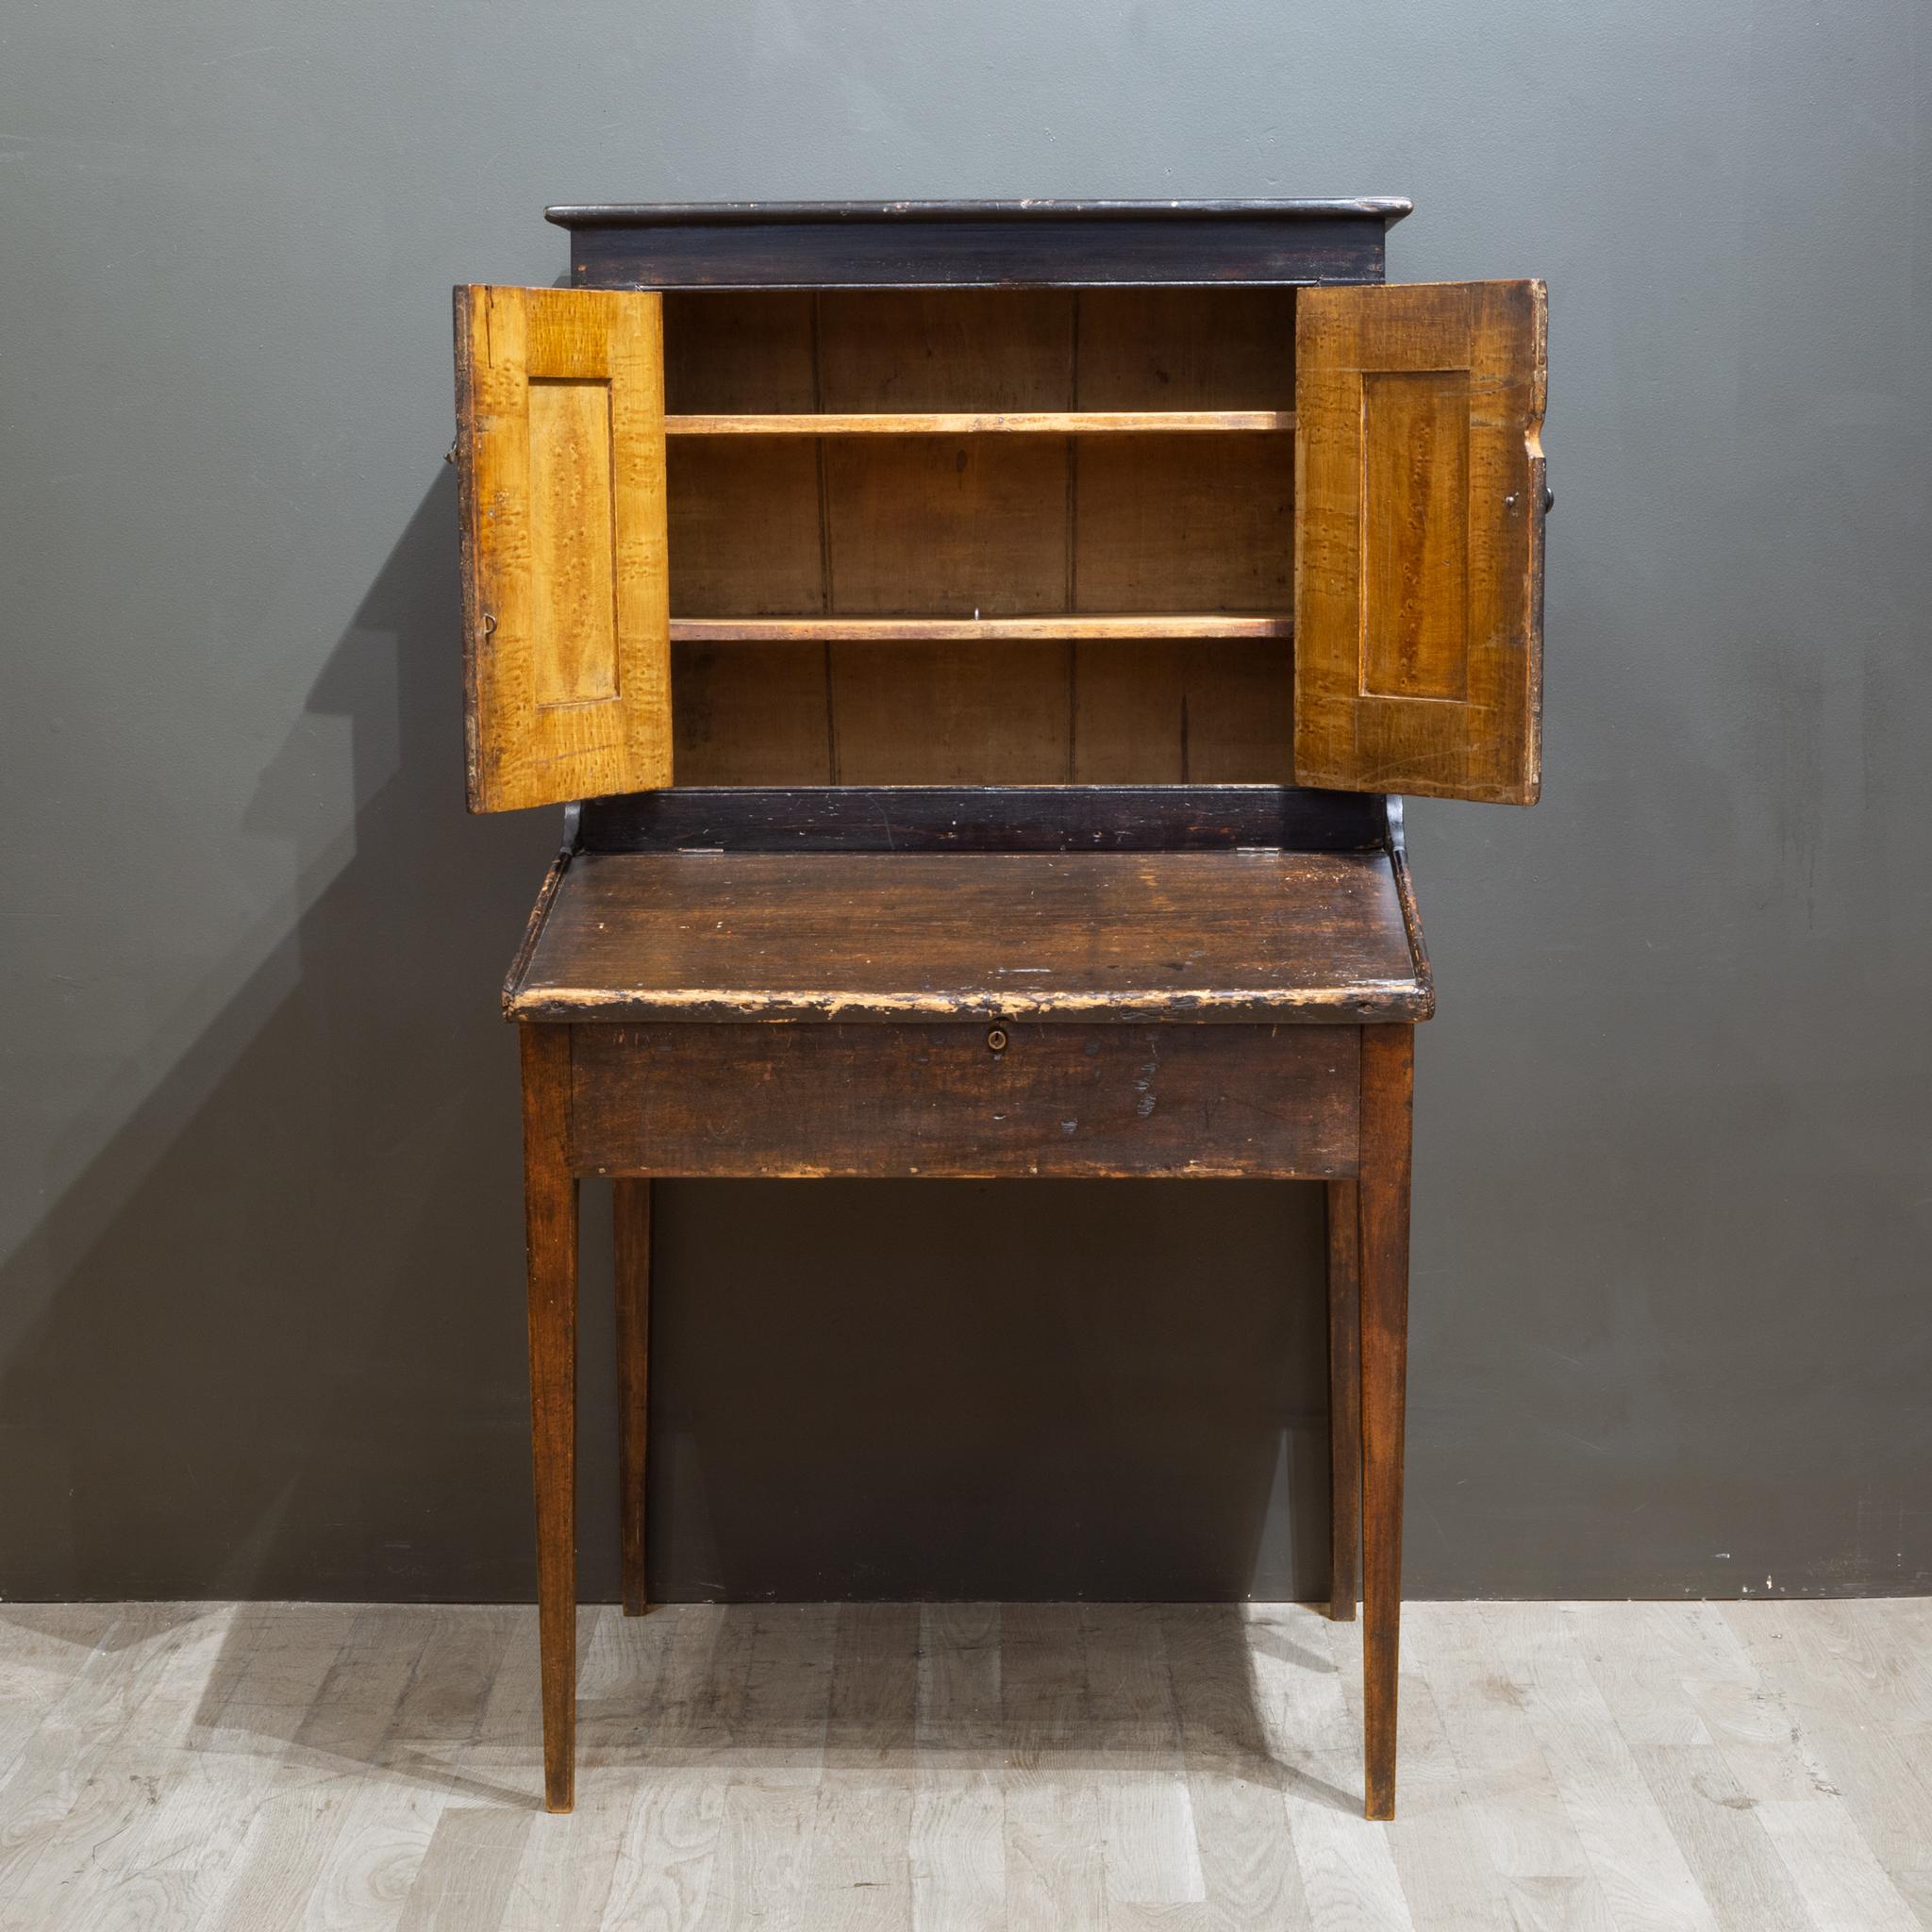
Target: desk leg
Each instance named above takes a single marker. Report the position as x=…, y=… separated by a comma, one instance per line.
x=550, y=1220
x=1388, y=1084
x=1344, y=1399
x=633, y=1220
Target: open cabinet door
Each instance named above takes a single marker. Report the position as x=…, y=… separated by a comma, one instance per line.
x=566, y=599
x=1419, y=515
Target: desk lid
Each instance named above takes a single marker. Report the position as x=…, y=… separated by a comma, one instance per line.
x=1270, y=937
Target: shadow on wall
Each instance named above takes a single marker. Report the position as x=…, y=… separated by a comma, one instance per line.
x=280, y=1352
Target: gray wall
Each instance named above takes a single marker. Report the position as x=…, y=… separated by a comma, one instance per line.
x=260, y=1326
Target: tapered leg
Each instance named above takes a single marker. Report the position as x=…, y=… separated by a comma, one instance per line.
x=633, y=1205
x=1344, y=1399
x=550, y=1220
x=1387, y=1083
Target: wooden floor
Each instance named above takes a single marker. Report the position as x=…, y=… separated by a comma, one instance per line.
x=1762, y=1766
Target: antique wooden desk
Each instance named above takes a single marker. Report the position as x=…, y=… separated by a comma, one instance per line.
x=985, y=573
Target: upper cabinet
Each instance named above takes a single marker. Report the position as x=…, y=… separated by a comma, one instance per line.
x=1419, y=515
x=566, y=591
x=1000, y=495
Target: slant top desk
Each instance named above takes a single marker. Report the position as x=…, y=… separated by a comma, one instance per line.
x=980, y=648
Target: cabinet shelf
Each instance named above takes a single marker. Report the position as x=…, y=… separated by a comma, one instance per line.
x=1056, y=423
x=1156, y=626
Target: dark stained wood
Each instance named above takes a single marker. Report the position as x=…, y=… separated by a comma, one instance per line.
x=754, y=214
x=1094, y=937
x=1405, y=890
x=966, y=1102
x=1419, y=482
x=550, y=1215
x=1049, y=818
x=631, y=1205
x=939, y=245
x=1387, y=1084
x=533, y=926
x=1344, y=1398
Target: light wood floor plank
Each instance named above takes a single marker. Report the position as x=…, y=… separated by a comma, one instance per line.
x=1637, y=1667
x=1630, y=1847
x=334, y=1747
x=388, y=1821
x=1348, y=1871
x=1849, y=1723
x=861, y=1868
x=667, y=1856
x=1249, y=1876
x=43, y=1648
x=1834, y=1865
x=957, y=1851
x=177, y=1864
x=768, y=1835
x=1054, y=1875
x=92, y=1771
x=1148, y=1854
x=1514, y=1804
x=1598, y=1768
x=1441, y=1857
x=568, y=1864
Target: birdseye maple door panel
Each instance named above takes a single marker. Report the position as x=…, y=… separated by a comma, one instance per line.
x=1419, y=487
x=566, y=590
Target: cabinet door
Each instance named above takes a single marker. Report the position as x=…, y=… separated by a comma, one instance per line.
x=566, y=601
x=1419, y=520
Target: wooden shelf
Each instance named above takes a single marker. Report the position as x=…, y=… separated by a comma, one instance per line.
x=1062, y=423
x=714, y=630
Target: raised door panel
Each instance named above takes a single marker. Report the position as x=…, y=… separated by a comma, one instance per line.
x=566, y=604
x=1420, y=506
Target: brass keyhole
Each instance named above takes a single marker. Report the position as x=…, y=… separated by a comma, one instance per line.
x=996, y=1038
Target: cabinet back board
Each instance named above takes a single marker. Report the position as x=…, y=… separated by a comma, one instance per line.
x=1000, y=523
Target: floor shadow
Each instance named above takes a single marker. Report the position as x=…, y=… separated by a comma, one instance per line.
x=713, y=1690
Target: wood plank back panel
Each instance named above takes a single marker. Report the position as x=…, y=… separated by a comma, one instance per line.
x=1185, y=523
x=1179, y=349
x=560, y=450
x=946, y=526
x=747, y=539
x=1419, y=582
x=964, y=1101
x=1201, y=712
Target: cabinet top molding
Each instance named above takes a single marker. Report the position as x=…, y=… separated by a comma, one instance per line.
x=952, y=244
x=648, y=214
